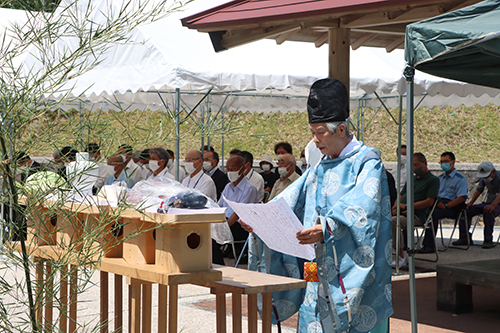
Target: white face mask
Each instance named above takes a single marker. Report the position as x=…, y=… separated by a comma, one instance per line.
x=233, y=175
x=282, y=171
x=153, y=165
x=303, y=160
x=266, y=167
x=189, y=167
x=403, y=159
x=207, y=166
x=169, y=163
x=110, y=169
x=487, y=179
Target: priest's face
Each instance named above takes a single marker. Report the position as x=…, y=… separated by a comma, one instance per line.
x=327, y=142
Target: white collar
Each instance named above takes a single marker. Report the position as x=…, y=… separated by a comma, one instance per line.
x=351, y=146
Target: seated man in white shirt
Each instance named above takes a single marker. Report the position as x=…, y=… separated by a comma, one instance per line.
x=286, y=170
x=132, y=169
x=171, y=167
x=197, y=179
x=158, y=158
x=239, y=190
x=116, y=164
x=95, y=156
x=253, y=177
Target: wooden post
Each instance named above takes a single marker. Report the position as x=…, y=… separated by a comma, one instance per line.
x=236, y=299
x=49, y=297
x=172, y=308
x=39, y=292
x=104, y=302
x=63, y=295
x=134, y=291
x=220, y=312
x=73, y=294
x=146, y=307
x=338, y=56
x=118, y=303
x=162, y=308
x=252, y=313
x=267, y=310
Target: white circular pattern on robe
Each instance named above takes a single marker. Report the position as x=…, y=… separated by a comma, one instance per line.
x=356, y=215
x=388, y=252
x=314, y=327
x=363, y=256
x=292, y=270
x=386, y=206
x=292, y=196
x=362, y=176
x=354, y=296
x=331, y=183
x=365, y=319
x=338, y=229
x=388, y=291
x=311, y=294
x=371, y=188
x=311, y=183
x=285, y=308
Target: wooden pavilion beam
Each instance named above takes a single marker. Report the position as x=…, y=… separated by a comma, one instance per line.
x=395, y=44
x=281, y=38
x=362, y=40
x=338, y=56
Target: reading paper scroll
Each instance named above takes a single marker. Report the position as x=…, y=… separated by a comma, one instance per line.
x=276, y=225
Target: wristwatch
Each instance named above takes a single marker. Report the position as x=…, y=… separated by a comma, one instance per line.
x=445, y=205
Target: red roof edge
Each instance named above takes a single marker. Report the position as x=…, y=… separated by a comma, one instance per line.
x=188, y=21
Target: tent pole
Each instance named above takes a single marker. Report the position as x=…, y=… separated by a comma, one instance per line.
x=222, y=143
x=409, y=74
x=398, y=183
x=202, y=126
x=177, y=131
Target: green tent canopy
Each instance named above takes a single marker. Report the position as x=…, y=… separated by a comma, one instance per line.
x=462, y=45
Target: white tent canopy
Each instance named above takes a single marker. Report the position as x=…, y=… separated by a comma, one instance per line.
x=163, y=56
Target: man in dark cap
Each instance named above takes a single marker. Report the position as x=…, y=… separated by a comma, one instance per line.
x=344, y=204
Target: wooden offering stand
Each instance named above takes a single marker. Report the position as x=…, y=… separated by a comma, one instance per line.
x=153, y=248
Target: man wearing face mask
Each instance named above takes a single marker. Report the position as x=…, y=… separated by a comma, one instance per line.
x=171, y=167
x=158, y=158
x=238, y=190
x=451, y=197
x=426, y=188
x=304, y=166
x=211, y=168
x=394, y=172
x=286, y=169
x=253, y=177
x=490, y=208
x=270, y=178
x=197, y=179
x=132, y=169
x=282, y=148
x=117, y=171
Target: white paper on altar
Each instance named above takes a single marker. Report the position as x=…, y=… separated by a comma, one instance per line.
x=276, y=224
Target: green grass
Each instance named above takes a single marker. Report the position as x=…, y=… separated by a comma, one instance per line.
x=472, y=133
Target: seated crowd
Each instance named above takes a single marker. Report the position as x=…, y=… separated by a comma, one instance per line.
x=434, y=197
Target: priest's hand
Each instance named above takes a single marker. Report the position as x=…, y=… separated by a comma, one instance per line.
x=246, y=226
x=310, y=235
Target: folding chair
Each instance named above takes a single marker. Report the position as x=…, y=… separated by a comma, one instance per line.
x=462, y=212
x=238, y=258
x=420, y=237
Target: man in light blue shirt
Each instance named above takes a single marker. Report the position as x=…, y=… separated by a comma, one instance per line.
x=118, y=173
x=238, y=190
x=451, y=197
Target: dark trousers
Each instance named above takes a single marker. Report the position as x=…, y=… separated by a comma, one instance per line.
x=217, y=257
x=239, y=234
x=452, y=213
x=488, y=218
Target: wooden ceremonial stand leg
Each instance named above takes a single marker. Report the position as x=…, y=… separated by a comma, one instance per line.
x=220, y=301
x=49, y=289
x=252, y=313
x=236, y=300
x=172, y=308
x=63, y=295
x=147, y=295
x=134, y=294
x=118, y=303
x=267, y=308
x=73, y=297
x=162, y=308
x=104, y=301
x=39, y=289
